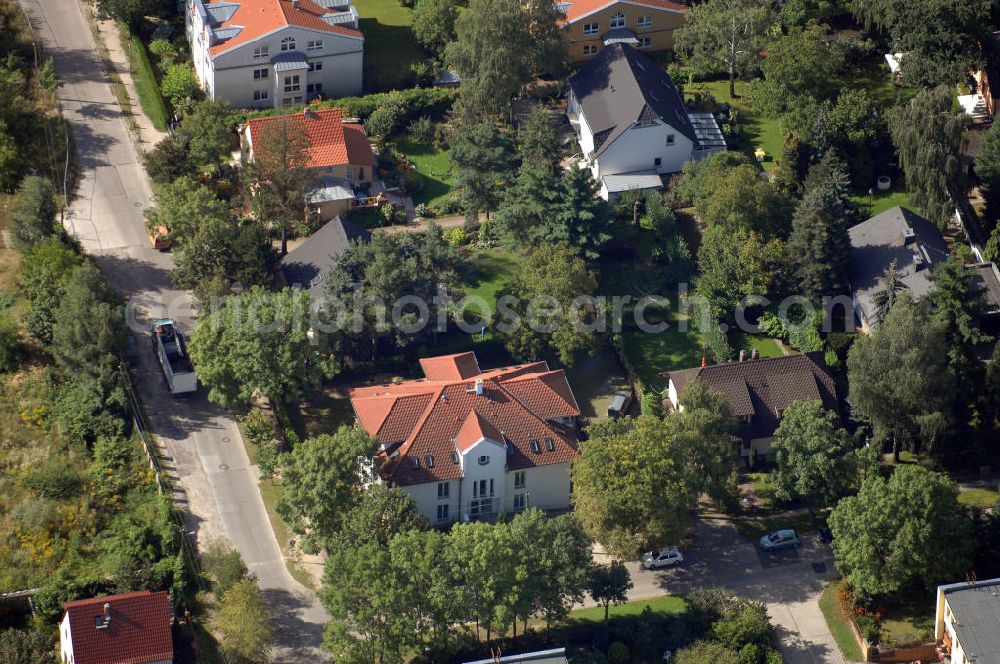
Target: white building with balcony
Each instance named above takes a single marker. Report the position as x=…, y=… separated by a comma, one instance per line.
x=469, y=444
x=275, y=53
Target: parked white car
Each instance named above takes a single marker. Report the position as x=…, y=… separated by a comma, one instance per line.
x=663, y=558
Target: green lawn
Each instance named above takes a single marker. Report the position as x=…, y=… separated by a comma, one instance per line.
x=760, y=131
x=434, y=168
x=765, y=346
x=979, y=497
x=493, y=269
x=390, y=48
x=838, y=625
x=912, y=623
x=595, y=379
x=882, y=200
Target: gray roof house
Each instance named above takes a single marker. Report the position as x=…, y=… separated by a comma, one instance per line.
x=304, y=266
x=631, y=122
x=967, y=622
x=900, y=235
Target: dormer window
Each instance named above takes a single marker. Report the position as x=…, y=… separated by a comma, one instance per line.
x=617, y=20
x=454, y=457
x=288, y=44
x=484, y=460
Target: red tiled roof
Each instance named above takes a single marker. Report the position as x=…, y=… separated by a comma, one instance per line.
x=577, y=9
x=261, y=17
x=332, y=142
x=450, y=367
x=456, y=417
x=139, y=631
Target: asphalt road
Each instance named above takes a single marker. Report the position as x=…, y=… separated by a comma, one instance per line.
x=201, y=443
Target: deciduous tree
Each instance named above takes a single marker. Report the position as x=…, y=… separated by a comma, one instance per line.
x=322, y=479
x=208, y=133
x=245, y=622
x=500, y=46
x=258, y=344
x=928, y=139
x=800, y=64
x=900, y=381
x=434, y=23
x=724, y=35
x=814, y=458
x=609, y=584
x=551, y=312
x=34, y=216
x=888, y=537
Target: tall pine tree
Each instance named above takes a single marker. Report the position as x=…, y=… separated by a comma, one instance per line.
x=819, y=246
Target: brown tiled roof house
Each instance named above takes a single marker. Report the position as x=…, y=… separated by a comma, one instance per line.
x=133, y=628
x=466, y=442
x=759, y=391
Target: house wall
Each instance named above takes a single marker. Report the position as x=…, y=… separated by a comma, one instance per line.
x=545, y=487
x=762, y=445
x=639, y=147
x=672, y=395
x=660, y=33
x=331, y=209
x=354, y=173
x=229, y=75
x=65, y=641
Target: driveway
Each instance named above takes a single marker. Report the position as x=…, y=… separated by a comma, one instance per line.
x=201, y=445
x=788, y=582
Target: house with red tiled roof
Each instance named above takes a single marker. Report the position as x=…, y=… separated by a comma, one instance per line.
x=759, y=391
x=467, y=443
x=275, y=53
x=133, y=628
x=591, y=25
x=339, y=158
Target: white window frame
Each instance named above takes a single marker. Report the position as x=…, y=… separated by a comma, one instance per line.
x=260, y=95
x=292, y=83
x=260, y=74
x=617, y=20
x=484, y=459
x=520, y=502
x=519, y=479
x=591, y=28
x=645, y=42
x=316, y=66
x=589, y=49
x=288, y=44
x=443, y=512
x=314, y=45
x=444, y=490
x=261, y=52
x=644, y=22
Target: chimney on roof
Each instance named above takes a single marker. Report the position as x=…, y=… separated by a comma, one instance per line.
x=704, y=360
x=103, y=622
x=754, y=354
x=743, y=355
x=909, y=235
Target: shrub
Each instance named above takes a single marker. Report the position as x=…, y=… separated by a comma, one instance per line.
x=52, y=479
x=456, y=236
x=805, y=338
x=652, y=404
x=424, y=210
x=618, y=653
x=168, y=161
x=258, y=427
x=224, y=566
x=34, y=217
x=164, y=51
x=387, y=118
x=179, y=85
x=772, y=326
x=10, y=344
x=421, y=129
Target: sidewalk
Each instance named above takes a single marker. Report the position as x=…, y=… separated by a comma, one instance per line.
x=136, y=120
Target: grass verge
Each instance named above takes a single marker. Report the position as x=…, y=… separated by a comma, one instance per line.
x=837, y=622
x=144, y=78
x=754, y=527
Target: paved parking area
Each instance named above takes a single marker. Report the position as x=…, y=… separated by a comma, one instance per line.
x=789, y=582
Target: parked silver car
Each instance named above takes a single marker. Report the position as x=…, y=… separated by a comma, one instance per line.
x=666, y=557
x=780, y=539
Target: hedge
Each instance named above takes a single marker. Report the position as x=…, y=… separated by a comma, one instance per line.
x=433, y=102
x=146, y=85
